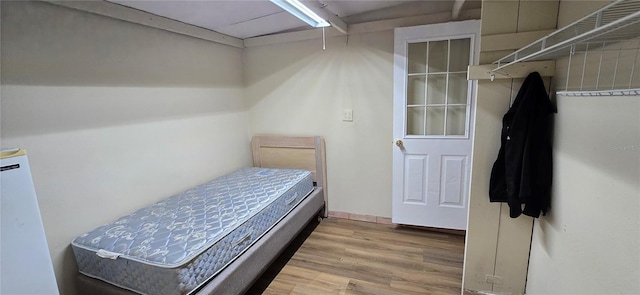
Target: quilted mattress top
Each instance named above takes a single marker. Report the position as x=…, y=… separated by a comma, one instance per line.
x=171, y=232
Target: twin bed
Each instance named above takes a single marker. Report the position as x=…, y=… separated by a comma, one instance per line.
x=215, y=238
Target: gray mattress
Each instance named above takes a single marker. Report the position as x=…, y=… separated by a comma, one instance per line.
x=178, y=244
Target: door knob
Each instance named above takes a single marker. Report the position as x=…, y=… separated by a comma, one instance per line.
x=399, y=143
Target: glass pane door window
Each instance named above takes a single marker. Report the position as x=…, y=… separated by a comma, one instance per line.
x=437, y=91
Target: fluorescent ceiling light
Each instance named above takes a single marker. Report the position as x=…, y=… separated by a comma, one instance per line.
x=302, y=12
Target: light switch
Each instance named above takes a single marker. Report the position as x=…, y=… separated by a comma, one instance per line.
x=347, y=115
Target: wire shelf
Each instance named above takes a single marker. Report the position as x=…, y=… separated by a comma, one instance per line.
x=617, y=21
x=603, y=69
x=600, y=38
x=601, y=93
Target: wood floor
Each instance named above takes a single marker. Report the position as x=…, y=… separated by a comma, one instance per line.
x=341, y=256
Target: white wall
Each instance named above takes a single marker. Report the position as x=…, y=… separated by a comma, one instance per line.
x=589, y=242
x=298, y=88
x=114, y=116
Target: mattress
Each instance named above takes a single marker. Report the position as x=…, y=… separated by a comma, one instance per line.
x=178, y=244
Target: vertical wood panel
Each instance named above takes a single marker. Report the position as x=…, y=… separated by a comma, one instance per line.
x=484, y=217
x=498, y=245
x=491, y=56
x=537, y=15
x=499, y=17
x=514, y=242
x=570, y=12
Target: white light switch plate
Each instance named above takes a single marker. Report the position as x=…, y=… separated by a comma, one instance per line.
x=347, y=115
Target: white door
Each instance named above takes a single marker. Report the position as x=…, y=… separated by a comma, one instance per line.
x=433, y=123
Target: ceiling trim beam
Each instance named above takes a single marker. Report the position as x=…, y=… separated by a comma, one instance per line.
x=337, y=23
x=311, y=34
x=425, y=19
x=124, y=13
x=330, y=16
x=368, y=27
x=457, y=7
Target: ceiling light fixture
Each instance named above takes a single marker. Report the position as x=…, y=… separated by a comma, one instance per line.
x=302, y=12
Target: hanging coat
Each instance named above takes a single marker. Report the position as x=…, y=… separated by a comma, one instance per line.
x=522, y=173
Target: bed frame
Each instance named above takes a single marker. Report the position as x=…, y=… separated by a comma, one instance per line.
x=270, y=152
x=307, y=153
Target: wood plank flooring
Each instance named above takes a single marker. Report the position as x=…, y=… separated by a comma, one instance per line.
x=340, y=256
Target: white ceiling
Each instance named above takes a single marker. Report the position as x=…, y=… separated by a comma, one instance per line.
x=250, y=18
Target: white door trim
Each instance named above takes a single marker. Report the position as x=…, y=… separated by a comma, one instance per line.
x=404, y=36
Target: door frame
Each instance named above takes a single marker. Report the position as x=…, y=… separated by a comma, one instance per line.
x=402, y=37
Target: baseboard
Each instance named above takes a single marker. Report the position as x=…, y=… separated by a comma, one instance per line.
x=359, y=217
x=474, y=292
x=459, y=232
x=385, y=220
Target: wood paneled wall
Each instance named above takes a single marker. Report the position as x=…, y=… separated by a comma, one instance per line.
x=497, y=246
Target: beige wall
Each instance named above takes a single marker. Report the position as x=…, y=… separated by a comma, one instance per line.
x=589, y=241
x=298, y=88
x=114, y=116
x=105, y=108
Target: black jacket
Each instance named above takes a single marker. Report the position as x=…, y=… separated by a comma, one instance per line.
x=523, y=171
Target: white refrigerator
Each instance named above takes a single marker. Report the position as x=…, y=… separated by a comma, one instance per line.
x=25, y=262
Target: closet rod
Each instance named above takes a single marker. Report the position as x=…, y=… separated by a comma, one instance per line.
x=601, y=93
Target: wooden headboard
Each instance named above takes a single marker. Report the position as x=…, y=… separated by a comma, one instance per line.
x=306, y=153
